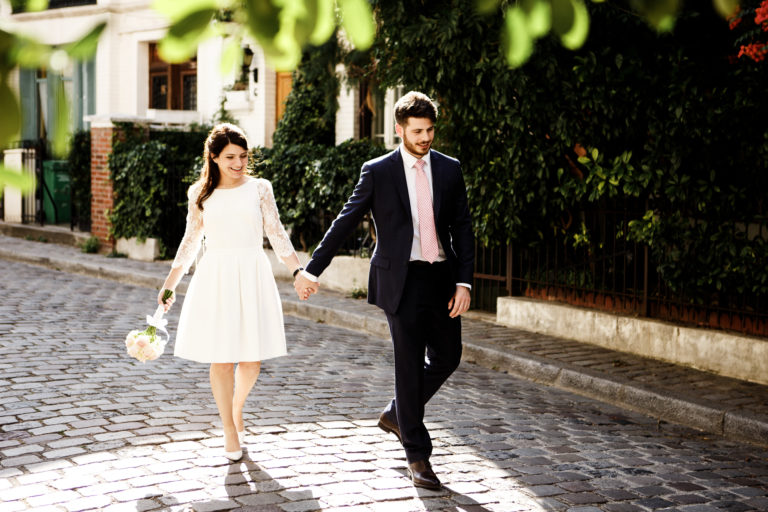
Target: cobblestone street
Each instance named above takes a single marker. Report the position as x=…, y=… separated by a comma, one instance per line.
x=85, y=427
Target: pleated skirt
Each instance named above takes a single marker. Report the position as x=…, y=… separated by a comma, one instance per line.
x=232, y=310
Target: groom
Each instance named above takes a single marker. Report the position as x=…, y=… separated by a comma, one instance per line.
x=420, y=270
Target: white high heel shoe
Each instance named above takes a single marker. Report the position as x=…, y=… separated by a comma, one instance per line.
x=241, y=437
x=234, y=456
x=237, y=454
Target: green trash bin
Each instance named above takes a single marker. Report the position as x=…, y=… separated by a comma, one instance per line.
x=56, y=191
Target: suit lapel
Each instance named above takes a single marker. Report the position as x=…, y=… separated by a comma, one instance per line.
x=437, y=183
x=398, y=173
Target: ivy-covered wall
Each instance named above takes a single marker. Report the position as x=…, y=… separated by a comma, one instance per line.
x=670, y=124
x=150, y=172
x=312, y=177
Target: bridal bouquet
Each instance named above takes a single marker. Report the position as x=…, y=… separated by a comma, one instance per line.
x=148, y=344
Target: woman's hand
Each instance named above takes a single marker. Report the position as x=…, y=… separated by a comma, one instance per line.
x=304, y=287
x=169, y=296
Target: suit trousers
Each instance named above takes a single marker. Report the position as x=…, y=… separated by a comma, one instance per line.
x=421, y=324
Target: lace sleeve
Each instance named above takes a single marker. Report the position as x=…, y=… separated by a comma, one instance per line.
x=193, y=233
x=274, y=229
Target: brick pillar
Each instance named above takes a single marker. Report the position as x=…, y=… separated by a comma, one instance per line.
x=101, y=185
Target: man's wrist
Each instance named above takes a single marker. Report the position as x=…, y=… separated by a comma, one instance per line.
x=465, y=285
x=309, y=276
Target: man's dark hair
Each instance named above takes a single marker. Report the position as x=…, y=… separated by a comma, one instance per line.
x=414, y=104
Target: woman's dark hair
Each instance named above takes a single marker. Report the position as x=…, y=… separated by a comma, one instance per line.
x=220, y=137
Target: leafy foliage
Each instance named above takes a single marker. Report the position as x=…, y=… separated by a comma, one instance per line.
x=150, y=172
x=182, y=161
x=750, y=24
x=310, y=109
x=661, y=124
x=311, y=182
x=310, y=176
x=282, y=29
x=138, y=181
x=90, y=245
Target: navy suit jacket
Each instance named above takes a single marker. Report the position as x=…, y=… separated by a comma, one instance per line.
x=383, y=191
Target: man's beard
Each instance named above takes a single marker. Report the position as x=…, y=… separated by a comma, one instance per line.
x=414, y=149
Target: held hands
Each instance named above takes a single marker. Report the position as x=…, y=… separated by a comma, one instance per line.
x=459, y=303
x=166, y=298
x=304, y=287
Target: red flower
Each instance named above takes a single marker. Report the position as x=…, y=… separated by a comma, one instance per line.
x=761, y=13
x=755, y=51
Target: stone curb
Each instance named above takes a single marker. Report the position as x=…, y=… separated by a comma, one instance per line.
x=660, y=404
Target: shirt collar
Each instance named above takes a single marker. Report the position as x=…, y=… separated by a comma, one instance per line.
x=409, y=160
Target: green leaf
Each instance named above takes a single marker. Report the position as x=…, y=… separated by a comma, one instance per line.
x=539, y=18
x=29, y=53
x=595, y=153
x=191, y=25
x=9, y=106
x=303, y=16
x=183, y=37
x=285, y=55
x=661, y=14
x=519, y=44
x=231, y=57
x=325, y=22
x=263, y=20
x=486, y=6
x=726, y=8
x=357, y=20
x=85, y=48
x=575, y=37
x=60, y=121
x=36, y=5
x=13, y=178
x=176, y=10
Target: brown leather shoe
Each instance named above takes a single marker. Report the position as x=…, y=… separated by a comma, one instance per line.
x=421, y=474
x=388, y=426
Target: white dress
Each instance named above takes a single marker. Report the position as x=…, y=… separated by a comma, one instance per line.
x=232, y=310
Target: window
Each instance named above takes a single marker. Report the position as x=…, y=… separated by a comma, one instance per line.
x=18, y=6
x=171, y=86
x=38, y=103
x=376, y=114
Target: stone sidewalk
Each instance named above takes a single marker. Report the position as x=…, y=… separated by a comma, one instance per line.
x=669, y=393
x=85, y=428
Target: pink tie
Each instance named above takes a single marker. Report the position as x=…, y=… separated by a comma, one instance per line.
x=427, y=233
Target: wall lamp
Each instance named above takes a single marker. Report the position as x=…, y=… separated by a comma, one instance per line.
x=247, y=59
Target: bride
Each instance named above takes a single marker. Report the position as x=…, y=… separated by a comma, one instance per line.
x=231, y=312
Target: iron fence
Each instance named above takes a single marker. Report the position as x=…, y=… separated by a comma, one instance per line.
x=606, y=271
x=32, y=153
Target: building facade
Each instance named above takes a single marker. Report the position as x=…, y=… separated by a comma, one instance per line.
x=126, y=80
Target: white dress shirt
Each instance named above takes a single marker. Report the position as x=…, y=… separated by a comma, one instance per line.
x=409, y=165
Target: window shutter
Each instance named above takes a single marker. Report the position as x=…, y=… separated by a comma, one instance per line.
x=28, y=97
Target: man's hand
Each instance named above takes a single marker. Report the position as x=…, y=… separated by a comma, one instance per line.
x=459, y=303
x=304, y=287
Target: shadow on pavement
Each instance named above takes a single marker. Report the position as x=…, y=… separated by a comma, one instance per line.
x=461, y=501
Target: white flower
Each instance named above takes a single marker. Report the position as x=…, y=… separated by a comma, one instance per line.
x=148, y=344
